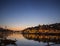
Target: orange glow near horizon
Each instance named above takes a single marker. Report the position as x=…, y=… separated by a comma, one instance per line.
x=16, y=28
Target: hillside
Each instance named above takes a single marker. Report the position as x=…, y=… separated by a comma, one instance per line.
x=51, y=28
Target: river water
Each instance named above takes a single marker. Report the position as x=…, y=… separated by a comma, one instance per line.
x=17, y=39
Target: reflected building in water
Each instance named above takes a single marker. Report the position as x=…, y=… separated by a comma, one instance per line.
x=43, y=38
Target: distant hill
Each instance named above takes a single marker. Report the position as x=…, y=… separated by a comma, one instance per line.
x=49, y=28
x=5, y=30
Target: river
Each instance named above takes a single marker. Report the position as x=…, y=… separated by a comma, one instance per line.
x=17, y=39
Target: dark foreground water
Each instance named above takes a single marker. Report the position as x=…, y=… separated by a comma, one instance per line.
x=17, y=39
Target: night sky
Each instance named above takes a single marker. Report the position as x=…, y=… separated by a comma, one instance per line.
x=26, y=13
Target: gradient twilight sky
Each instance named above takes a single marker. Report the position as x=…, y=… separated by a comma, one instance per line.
x=24, y=13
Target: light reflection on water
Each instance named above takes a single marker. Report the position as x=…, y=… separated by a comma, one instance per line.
x=29, y=39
